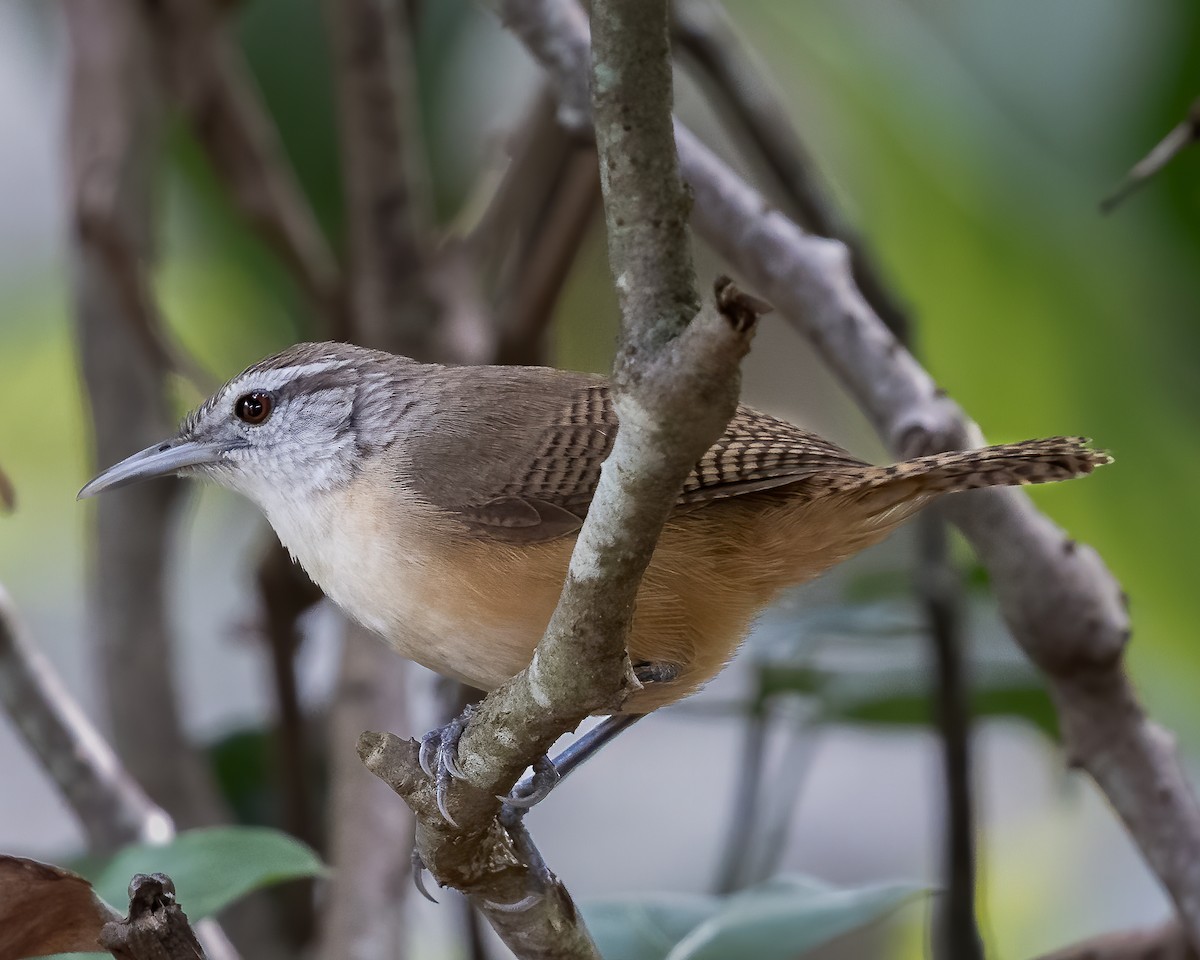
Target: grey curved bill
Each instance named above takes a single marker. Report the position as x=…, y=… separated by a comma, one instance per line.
x=156, y=461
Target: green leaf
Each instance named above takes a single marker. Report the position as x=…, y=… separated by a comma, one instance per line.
x=785, y=919
x=648, y=927
x=782, y=919
x=211, y=867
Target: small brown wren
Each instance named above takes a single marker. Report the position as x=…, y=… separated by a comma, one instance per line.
x=438, y=505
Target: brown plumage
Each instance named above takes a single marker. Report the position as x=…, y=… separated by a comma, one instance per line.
x=508, y=466
x=439, y=505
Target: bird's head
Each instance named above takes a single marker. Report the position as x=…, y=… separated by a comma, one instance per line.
x=291, y=425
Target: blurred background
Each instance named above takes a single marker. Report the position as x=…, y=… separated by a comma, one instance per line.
x=970, y=145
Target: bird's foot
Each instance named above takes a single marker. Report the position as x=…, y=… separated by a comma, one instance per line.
x=418, y=876
x=535, y=788
x=439, y=758
x=542, y=879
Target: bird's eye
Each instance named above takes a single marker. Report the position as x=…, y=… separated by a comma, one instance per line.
x=253, y=408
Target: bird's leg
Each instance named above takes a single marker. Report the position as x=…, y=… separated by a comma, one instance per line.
x=547, y=773
x=439, y=750
x=439, y=760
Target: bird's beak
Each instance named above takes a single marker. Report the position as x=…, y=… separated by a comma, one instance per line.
x=159, y=460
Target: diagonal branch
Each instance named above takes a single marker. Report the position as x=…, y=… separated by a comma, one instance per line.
x=1179, y=138
x=1060, y=601
x=210, y=80
x=391, y=307
x=112, y=809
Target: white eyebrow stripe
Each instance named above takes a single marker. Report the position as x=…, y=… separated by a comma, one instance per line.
x=273, y=379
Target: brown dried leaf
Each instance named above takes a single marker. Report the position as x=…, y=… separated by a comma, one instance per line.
x=46, y=909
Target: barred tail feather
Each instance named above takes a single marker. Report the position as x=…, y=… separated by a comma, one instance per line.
x=1004, y=465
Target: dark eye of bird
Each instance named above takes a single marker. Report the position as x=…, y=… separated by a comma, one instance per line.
x=253, y=408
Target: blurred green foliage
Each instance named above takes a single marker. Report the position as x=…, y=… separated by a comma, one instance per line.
x=784, y=918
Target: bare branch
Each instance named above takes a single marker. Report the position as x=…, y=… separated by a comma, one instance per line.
x=1160, y=943
x=532, y=227
x=371, y=834
x=1182, y=136
x=110, y=805
x=1060, y=601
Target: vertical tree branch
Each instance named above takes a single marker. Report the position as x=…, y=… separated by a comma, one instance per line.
x=115, y=121
x=675, y=388
x=956, y=934
x=383, y=175
x=391, y=308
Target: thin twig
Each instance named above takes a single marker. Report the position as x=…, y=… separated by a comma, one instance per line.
x=1181, y=136
x=1061, y=603
x=286, y=593
x=939, y=585
x=745, y=815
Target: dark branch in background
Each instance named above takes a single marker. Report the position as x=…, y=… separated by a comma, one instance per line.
x=939, y=584
x=115, y=123
x=1167, y=942
x=383, y=176
x=744, y=816
x=1182, y=136
x=111, y=807
x=286, y=593
x=392, y=308
x=533, y=225
x=680, y=374
x=710, y=43
x=1060, y=601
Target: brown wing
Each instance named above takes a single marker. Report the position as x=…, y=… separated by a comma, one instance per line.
x=535, y=485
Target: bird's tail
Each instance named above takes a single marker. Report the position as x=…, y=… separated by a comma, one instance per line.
x=1008, y=464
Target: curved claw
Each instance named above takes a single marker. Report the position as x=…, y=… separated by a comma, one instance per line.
x=533, y=790
x=428, y=754
x=448, y=754
x=418, y=877
x=443, y=794
x=520, y=906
